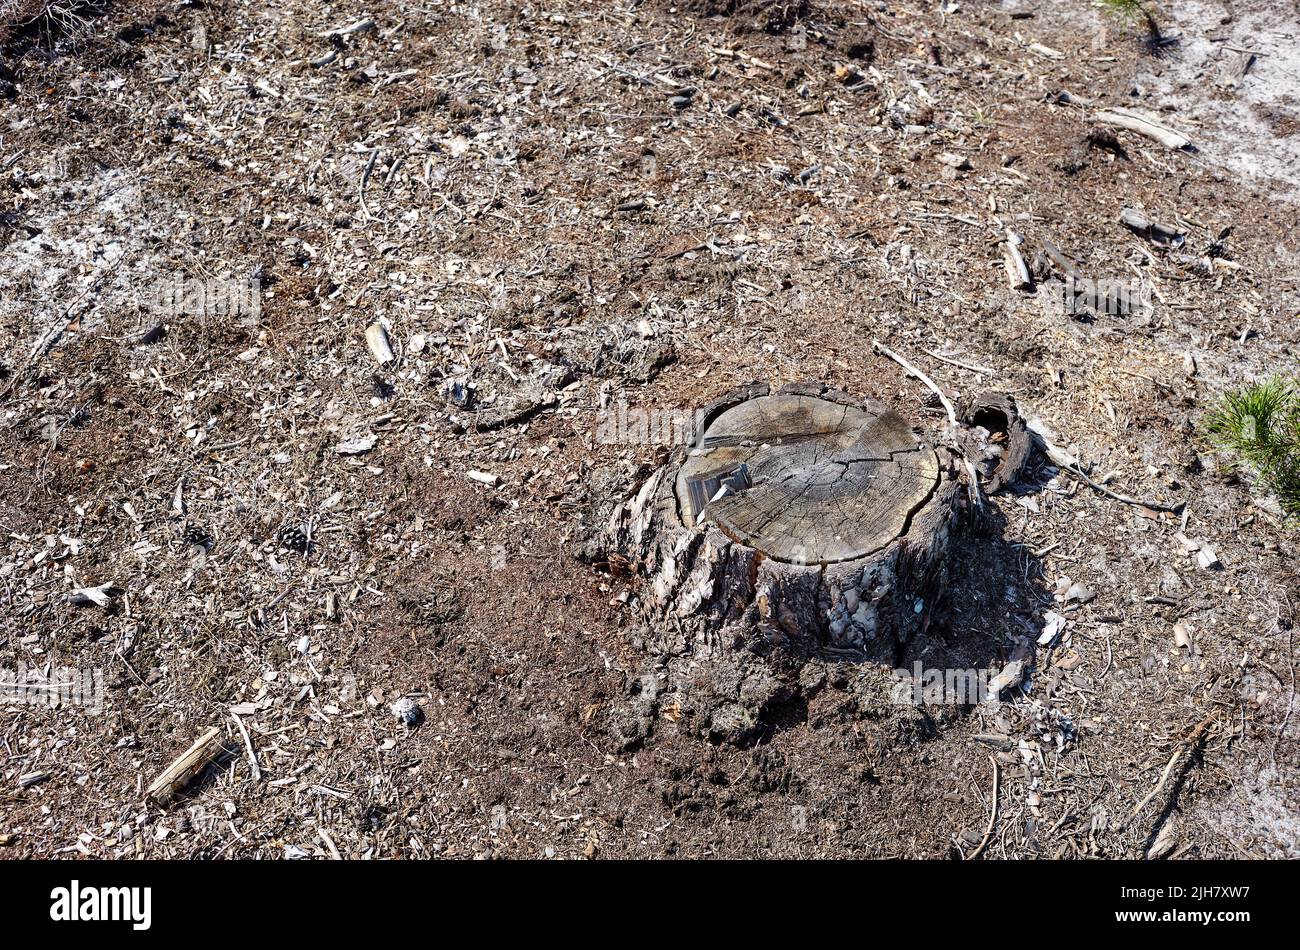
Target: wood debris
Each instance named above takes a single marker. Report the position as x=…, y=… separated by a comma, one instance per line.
x=99, y=596
x=1017, y=271
x=185, y=767
x=1143, y=123
x=1139, y=223
x=377, y=340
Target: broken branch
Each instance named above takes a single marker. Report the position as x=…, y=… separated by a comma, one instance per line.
x=947, y=403
x=185, y=767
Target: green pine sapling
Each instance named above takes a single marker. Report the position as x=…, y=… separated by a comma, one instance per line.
x=1137, y=11
x=1259, y=427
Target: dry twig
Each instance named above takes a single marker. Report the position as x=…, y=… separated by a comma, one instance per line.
x=993, y=812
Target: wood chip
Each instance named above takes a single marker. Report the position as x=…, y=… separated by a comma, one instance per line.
x=185, y=767
x=99, y=596
x=357, y=446
x=1014, y=261
x=377, y=340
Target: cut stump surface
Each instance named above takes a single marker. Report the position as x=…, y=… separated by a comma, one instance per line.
x=802, y=518
x=830, y=482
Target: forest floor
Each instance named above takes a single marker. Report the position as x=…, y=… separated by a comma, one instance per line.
x=575, y=206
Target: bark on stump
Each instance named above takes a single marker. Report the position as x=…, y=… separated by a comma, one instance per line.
x=995, y=439
x=801, y=519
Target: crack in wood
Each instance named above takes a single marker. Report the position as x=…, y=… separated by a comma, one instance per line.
x=830, y=482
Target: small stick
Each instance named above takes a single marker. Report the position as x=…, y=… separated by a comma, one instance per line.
x=879, y=347
x=684, y=251
x=248, y=747
x=1150, y=379
x=993, y=812
x=947, y=404
x=187, y=765
x=365, y=178
x=358, y=27
x=1192, y=741
x=1290, y=644
x=1065, y=460
x=1062, y=262
x=1136, y=502
x=952, y=362
x=329, y=843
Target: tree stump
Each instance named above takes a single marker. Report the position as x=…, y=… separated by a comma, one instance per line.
x=801, y=519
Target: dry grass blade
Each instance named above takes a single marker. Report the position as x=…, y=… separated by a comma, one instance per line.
x=993, y=812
